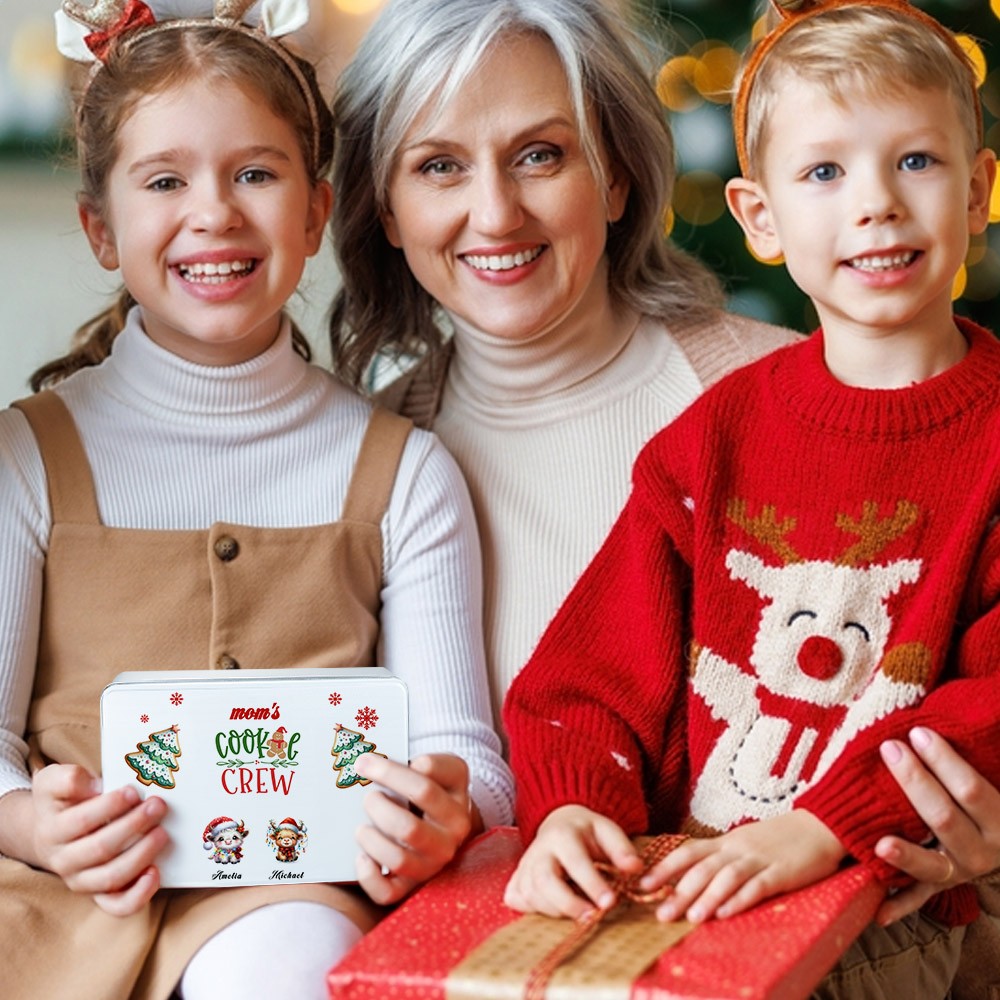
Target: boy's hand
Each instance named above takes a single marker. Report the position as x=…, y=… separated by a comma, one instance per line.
x=725, y=875
x=412, y=846
x=568, y=843
x=103, y=844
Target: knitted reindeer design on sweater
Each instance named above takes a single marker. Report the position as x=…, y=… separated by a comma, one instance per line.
x=820, y=671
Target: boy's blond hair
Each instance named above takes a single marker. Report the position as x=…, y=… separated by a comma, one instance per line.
x=873, y=48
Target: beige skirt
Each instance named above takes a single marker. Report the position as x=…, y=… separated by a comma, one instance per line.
x=57, y=943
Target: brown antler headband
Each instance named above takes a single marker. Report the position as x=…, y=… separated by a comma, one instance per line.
x=794, y=12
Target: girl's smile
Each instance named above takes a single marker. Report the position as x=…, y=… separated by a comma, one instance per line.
x=210, y=273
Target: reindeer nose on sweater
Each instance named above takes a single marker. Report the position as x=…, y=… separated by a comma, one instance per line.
x=820, y=658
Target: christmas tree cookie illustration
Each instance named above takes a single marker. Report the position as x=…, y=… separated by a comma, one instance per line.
x=155, y=761
x=348, y=746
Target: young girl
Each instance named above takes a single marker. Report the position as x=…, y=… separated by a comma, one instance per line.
x=205, y=438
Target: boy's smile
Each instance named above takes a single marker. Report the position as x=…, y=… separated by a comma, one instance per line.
x=872, y=201
x=884, y=262
x=211, y=216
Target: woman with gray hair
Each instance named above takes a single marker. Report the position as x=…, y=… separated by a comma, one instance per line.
x=517, y=155
x=501, y=176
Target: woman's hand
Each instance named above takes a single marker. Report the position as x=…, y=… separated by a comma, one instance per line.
x=102, y=844
x=403, y=848
x=568, y=843
x=962, y=810
x=725, y=875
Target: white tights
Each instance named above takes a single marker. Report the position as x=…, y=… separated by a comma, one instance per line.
x=285, y=949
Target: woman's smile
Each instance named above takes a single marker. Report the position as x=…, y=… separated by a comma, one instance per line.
x=501, y=261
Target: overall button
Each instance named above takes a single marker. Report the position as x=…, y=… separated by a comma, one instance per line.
x=227, y=548
x=227, y=662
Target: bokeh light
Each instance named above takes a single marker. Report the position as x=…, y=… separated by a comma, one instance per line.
x=699, y=197
x=983, y=277
x=975, y=53
x=675, y=84
x=31, y=82
x=34, y=59
x=990, y=93
x=978, y=248
x=778, y=261
x=356, y=6
x=958, y=285
x=716, y=65
x=669, y=220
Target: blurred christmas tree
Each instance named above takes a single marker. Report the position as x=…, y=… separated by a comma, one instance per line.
x=705, y=39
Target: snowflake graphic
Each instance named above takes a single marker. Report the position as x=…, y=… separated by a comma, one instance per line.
x=335, y=698
x=176, y=698
x=144, y=718
x=366, y=717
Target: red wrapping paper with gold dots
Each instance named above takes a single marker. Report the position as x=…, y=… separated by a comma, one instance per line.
x=424, y=950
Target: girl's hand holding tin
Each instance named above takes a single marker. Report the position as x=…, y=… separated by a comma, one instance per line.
x=404, y=847
x=100, y=843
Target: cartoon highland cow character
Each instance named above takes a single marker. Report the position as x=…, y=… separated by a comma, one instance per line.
x=224, y=837
x=288, y=839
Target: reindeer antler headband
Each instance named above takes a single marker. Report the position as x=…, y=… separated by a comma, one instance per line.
x=88, y=34
x=793, y=12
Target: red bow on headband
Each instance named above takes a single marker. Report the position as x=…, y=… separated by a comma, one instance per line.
x=135, y=15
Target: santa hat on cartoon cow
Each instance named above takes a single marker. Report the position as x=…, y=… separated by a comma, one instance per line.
x=292, y=825
x=217, y=826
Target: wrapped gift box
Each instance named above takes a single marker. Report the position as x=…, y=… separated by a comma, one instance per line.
x=257, y=768
x=454, y=939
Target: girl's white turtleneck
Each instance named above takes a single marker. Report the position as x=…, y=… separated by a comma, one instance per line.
x=271, y=443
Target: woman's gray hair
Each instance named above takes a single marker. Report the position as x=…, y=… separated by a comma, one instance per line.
x=415, y=58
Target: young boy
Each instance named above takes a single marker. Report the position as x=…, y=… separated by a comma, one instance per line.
x=818, y=537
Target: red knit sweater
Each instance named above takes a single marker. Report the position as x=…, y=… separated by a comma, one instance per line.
x=803, y=569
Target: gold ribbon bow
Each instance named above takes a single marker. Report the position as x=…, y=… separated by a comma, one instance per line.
x=627, y=892
x=534, y=953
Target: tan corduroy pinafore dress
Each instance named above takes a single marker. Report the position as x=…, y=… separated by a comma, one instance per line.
x=231, y=597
